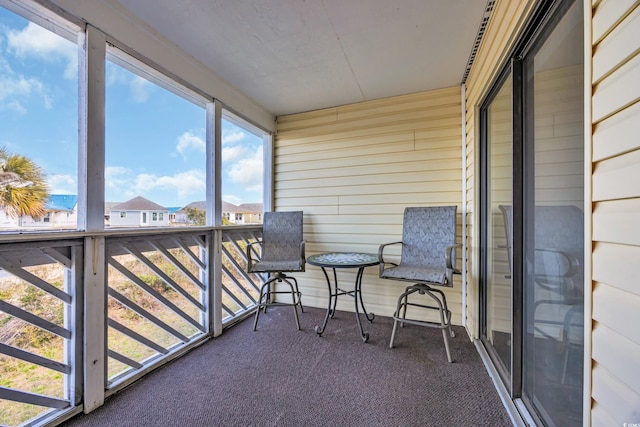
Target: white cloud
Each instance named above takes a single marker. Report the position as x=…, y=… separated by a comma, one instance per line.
x=14, y=88
x=35, y=41
x=62, y=184
x=247, y=172
x=235, y=136
x=123, y=184
x=189, y=141
x=183, y=184
x=117, y=179
x=139, y=89
x=229, y=154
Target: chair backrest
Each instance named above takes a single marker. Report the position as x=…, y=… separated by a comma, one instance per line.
x=426, y=234
x=558, y=228
x=282, y=236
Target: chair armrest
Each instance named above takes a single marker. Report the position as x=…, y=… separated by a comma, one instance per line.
x=564, y=283
x=572, y=261
x=381, y=255
x=250, y=260
x=451, y=262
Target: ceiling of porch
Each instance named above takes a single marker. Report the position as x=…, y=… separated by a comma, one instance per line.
x=293, y=56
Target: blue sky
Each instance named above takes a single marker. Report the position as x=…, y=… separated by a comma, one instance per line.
x=154, y=139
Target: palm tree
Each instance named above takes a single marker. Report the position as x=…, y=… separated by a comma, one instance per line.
x=23, y=190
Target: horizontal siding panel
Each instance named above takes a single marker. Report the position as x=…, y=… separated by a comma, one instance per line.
x=600, y=417
x=345, y=191
x=618, y=310
x=315, y=118
x=618, y=354
x=293, y=146
x=617, y=177
x=617, y=222
x=371, y=160
x=607, y=15
x=621, y=88
x=619, y=46
x=372, y=129
x=410, y=166
x=617, y=265
x=371, y=179
x=372, y=122
x=347, y=151
x=617, y=134
x=617, y=399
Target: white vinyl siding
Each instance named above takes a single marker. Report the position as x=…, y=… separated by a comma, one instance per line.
x=615, y=392
x=353, y=169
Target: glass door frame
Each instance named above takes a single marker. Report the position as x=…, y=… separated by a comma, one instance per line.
x=542, y=22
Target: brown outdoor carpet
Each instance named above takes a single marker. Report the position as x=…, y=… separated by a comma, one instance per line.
x=278, y=376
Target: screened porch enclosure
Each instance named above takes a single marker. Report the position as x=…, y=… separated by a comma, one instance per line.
x=349, y=111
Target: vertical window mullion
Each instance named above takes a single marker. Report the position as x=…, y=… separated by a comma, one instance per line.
x=517, y=227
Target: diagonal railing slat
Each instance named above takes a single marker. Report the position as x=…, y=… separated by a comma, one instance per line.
x=144, y=313
x=136, y=336
x=34, y=320
x=32, y=398
x=177, y=264
x=187, y=250
x=239, y=269
x=57, y=256
x=34, y=358
x=135, y=279
x=231, y=294
x=19, y=272
x=168, y=280
x=124, y=359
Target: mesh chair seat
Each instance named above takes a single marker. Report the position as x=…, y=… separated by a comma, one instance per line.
x=411, y=273
x=427, y=259
x=282, y=266
x=281, y=251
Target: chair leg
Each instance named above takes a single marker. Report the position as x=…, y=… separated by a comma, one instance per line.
x=445, y=317
x=266, y=293
x=298, y=294
x=263, y=296
x=401, y=306
x=294, y=303
x=393, y=333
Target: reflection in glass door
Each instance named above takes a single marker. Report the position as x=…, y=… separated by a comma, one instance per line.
x=499, y=173
x=554, y=227
x=532, y=218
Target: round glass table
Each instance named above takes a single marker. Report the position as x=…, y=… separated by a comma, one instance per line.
x=335, y=260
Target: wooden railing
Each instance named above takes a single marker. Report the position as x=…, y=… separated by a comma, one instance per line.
x=161, y=295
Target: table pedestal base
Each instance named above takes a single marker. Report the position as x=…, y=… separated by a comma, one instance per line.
x=356, y=293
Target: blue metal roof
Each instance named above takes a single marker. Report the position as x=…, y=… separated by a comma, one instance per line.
x=61, y=202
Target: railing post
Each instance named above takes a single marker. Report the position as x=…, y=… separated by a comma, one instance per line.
x=215, y=281
x=74, y=322
x=95, y=319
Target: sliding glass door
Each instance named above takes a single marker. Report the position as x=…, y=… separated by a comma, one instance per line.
x=532, y=233
x=499, y=193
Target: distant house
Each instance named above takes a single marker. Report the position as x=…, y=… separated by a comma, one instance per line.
x=253, y=212
x=247, y=213
x=181, y=215
x=139, y=212
x=62, y=212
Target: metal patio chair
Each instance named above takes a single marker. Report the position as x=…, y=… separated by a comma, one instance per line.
x=427, y=259
x=558, y=295
x=282, y=250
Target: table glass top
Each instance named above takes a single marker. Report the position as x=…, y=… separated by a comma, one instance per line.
x=343, y=259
